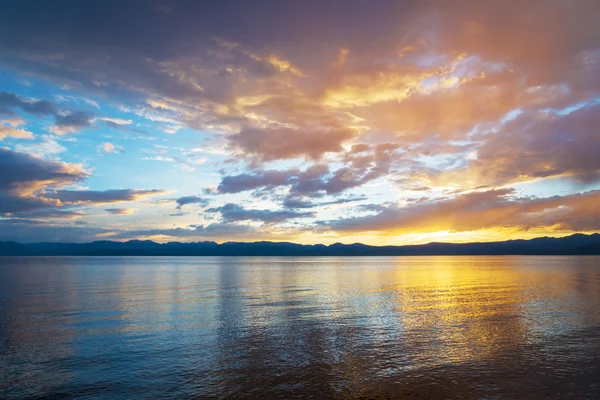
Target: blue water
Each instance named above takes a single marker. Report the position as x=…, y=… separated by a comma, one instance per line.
x=250, y=327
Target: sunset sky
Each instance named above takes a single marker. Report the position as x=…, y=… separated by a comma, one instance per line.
x=382, y=122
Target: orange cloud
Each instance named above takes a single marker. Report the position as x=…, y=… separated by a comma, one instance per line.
x=494, y=209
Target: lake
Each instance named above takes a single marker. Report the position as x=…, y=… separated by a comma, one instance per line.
x=252, y=327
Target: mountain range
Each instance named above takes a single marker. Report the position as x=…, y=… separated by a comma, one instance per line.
x=577, y=244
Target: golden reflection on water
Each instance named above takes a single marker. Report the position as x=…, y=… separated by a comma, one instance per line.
x=472, y=308
x=449, y=302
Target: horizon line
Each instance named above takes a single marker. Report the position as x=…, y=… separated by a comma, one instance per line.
x=303, y=244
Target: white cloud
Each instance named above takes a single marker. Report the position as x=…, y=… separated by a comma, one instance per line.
x=13, y=121
x=108, y=148
x=117, y=121
x=90, y=102
x=49, y=146
x=6, y=131
x=159, y=158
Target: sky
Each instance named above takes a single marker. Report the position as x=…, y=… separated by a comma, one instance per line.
x=381, y=122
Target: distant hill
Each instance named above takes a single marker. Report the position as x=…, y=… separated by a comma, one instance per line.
x=577, y=244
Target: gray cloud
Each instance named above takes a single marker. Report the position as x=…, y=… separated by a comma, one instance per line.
x=35, y=107
x=64, y=121
x=233, y=212
x=195, y=199
x=10, y=203
x=215, y=230
x=119, y=211
x=294, y=202
x=21, y=171
x=30, y=231
x=50, y=213
x=72, y=122
x=100, y=197
x=254, y=180
x=28, y=188
x=315, y=181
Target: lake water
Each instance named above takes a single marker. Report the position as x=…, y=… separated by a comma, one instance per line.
x=250, y=327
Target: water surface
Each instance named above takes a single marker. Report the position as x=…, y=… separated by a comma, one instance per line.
x=250, y=327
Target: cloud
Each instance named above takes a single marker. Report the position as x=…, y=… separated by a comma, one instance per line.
x=108, y=147
x=194, y=199
x=234, y=213
x=493, y=209
x=72, y=122
x=254, y=180
x=215, y=230
x=7, y=131
x=64, y=121
x=24, y=176
x=533, y=145
x=102, y=197
x=49, y=146
x=294, y=202
x=316, y=180
x=28, y=231
x=49, y=214
x=30, y=188
x=24, y=172
x=35, y=107
x=159, y=158
x=14, y=203
x=120, y=211
x=541, y=144
x=30, y=184
x=283, y=143
x=115, y=121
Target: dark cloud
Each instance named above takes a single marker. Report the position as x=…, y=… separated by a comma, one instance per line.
x=233, y=212
x=311, y=182
x=29, y=188
x=65, y=121
x=119, y=211
x=195, y=199
x=31, y=231
x=11, y=203
x=254, y=180
x=296, y=202
x=161, y=36
x=72, y=122
x=22, y=171
x=293, y=202
x=315, y=181
x=50, y=213
x=101, y=197
x=35, y=107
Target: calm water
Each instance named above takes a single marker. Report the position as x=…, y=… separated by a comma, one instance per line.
x=420, y=327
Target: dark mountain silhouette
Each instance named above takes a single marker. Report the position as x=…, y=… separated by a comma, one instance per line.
x=577, y=244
